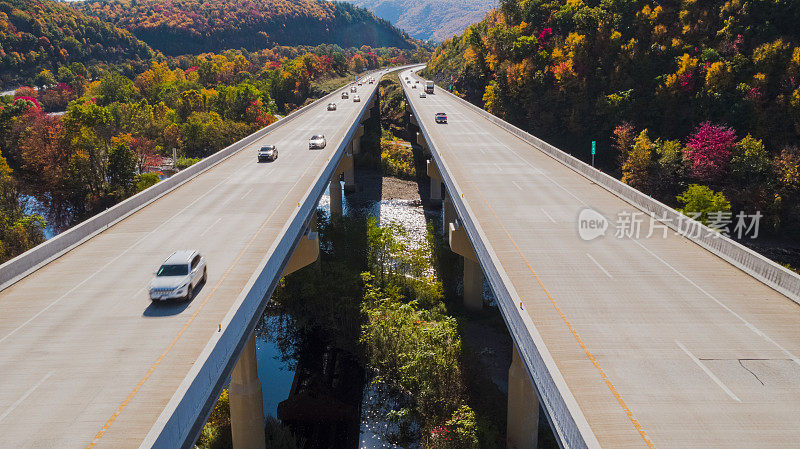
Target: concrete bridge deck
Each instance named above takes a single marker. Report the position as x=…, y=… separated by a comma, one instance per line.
x=632, y=342
x=86, y=359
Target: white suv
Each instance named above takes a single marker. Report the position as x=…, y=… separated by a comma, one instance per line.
x=178, y=276
x=317, y=141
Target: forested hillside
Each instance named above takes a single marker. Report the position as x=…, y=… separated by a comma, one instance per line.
x=676, y=93
x=194, y=26
x=41, y=34
x=429, y=19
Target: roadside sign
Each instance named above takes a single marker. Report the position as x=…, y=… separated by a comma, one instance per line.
x=594, y=149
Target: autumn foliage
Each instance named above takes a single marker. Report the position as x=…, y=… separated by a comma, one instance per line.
x=195, y=26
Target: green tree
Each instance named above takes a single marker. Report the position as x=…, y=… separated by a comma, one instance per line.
x=636, y=169
x=697, y=199
x=122, y=165
x=45, y=79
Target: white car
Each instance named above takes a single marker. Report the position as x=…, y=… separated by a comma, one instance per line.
x=317, y=141
x=423, y=95
x=353, y=89
x=356, y=99
x=178, y=276
x=345, y=95
x=267, y=153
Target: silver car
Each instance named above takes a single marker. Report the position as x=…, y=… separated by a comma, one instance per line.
x=178, y=276
x=317, y=141
x=267, y=153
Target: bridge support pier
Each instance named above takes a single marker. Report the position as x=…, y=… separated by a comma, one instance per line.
x=522, y=431
x=345, y=167
x=355, y=144
x=436, y=182
x=336, y=197
x=422, y=143
x=473, y=275
x=246, y=402
x=449, y=214
x=305, y=253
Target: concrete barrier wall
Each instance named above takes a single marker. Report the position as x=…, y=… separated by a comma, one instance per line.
x=35, y=258
x=182, y=420
x=770, y=273
x=563, y=412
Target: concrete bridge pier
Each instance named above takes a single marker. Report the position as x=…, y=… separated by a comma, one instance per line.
x=522, y=430
x=436, y=182
x=423, y=144
x=345, y=167
x=473, y=275
x=246, y=402
x=355, y=144
x=449, y=214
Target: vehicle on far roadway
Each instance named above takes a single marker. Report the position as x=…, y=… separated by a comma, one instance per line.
x=331, y=106
x=423, y=94
x=372, y=81
x=178, y=276
x=356, y=99
x=441, y=117
x=317, y=141
x=413, y=86
x=353, y=89
x=345, y=95
x=429, y=87
x=267, y=153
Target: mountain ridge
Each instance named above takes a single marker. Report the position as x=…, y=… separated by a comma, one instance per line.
x=194, y=26
x=429, y=19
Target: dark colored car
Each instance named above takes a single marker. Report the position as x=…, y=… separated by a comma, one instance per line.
x=441, y=117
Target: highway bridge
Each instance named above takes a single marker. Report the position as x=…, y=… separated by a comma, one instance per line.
x=87, y=361
x=674, y=341
x=667, y=341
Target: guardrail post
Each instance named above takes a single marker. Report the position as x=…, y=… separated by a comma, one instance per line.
x=473, y=274
x=246, y=402
x=522, y=430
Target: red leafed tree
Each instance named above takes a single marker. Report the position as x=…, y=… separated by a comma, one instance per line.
x=709, y=150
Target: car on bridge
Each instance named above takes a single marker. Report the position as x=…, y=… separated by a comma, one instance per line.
x=331, y=106
x=178, y=276
x=353, y=89
x=267, y=153
x=317, y=142
x=423, y=95
x=356, y=99
x=413, y=86
x=441, y=117
x=345, y=95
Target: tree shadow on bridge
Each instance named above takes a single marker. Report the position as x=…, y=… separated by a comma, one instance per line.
x=171, y=307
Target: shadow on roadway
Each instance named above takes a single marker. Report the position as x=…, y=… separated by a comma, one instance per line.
x=171, y=307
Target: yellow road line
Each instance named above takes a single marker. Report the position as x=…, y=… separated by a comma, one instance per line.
x=571, y=328
x=158, y=361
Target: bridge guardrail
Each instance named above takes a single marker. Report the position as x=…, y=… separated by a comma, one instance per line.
x=768, y=272
x=182, y=420
x=26, y=263
x=563, y=412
